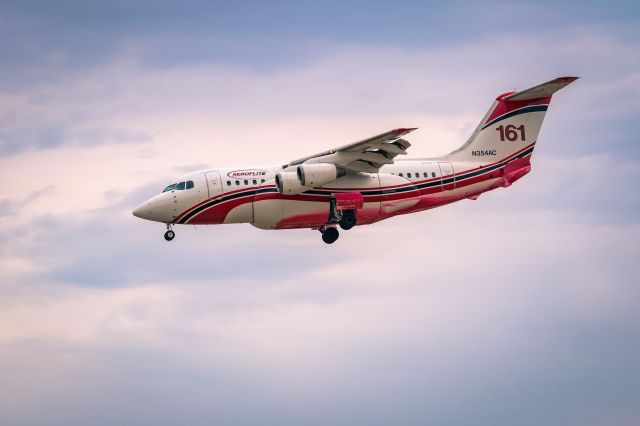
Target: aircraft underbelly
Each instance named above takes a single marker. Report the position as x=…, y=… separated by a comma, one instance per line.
x=272, y=210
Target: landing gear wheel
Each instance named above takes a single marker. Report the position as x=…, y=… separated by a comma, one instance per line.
x=169, y=235
x=348, y=220
x=330, y=235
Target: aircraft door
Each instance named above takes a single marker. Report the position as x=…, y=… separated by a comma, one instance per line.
x=214, y=183
x=448, y=179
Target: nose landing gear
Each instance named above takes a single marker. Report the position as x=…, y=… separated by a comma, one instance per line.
x=169, y=235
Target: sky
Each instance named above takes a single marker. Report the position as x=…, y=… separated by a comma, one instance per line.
x=519, y=308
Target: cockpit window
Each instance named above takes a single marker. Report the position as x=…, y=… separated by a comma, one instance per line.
x=189, y=184
x=179, y=186
x=170, y=187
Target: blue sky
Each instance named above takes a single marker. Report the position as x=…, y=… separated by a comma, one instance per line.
x=518, y=308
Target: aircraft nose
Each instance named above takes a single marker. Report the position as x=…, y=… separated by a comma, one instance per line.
x=143, y=211
x=156, y=209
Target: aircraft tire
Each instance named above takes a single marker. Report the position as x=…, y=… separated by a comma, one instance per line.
x=330, y=235
x=169, y=235
x=348, y=220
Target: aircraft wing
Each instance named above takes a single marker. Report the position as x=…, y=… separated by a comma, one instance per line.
x=367, y=155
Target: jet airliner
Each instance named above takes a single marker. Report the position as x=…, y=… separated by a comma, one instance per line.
x=363, y=182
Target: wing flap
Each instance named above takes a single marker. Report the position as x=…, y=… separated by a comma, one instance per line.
x=363, y=166
x=397, y=147
x=375, y=157
x=367, y=155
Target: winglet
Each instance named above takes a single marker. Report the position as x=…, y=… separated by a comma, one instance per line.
x=543, y=90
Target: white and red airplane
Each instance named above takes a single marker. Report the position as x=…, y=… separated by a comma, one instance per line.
x=362, y=182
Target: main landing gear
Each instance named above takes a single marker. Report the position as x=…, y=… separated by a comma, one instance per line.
x=169, y=235
x=329, y=234
x=348, y=219
x=342, y=212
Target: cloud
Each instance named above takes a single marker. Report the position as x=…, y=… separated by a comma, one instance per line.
x=371, y=330
x=20, y=139
x=9, y=207
x=360, y=85
x=39, y=39
x=519, y=307
x=150, y=123
x=48, y=117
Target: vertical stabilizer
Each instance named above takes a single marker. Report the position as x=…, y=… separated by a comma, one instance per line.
x=511, y=125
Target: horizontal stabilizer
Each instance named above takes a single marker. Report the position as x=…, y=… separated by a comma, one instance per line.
x=543, y=90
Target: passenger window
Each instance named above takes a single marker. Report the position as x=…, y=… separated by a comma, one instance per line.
x=262, y=180
x=237, y=182
x=255, y=182
x=189, y=184
x=170, y=187
x=425, y=174
x=180, y=186
x=246, y=182
x=433, y=174
x=409, y=175
x=228, y=183
x=400, y=174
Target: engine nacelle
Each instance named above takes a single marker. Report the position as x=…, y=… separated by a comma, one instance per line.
x=318, y=174
x=287, y=183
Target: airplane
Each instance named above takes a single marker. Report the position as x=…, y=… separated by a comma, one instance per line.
x=363, y=182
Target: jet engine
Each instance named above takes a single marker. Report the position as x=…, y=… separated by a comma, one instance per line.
x=287, y=183
x=318, y=174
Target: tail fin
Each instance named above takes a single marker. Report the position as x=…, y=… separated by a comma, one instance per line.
x=511, y=125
